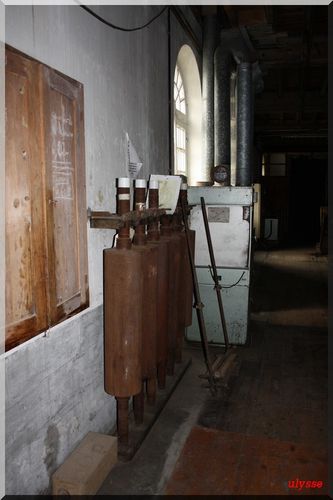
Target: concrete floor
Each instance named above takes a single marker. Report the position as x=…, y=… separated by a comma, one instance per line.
x=270, y=425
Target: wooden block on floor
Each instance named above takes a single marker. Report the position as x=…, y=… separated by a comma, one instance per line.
x=84, y=471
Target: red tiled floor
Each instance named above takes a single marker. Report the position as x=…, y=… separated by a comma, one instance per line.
x=215, y=462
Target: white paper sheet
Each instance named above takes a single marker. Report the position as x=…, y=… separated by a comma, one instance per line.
x=134, y=163
x=168, y=191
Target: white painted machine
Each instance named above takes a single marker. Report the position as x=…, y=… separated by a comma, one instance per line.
x=230, y=218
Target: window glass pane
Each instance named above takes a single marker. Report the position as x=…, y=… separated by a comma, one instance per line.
x=175, y=91
x=181, y=162
x=180, y=124
x=177, y=77
x=180, y=144
x=179, y=92
x=180, y=138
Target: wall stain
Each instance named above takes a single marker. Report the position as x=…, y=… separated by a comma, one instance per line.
x=100, y=196
x=51, y=443
x=92, y=415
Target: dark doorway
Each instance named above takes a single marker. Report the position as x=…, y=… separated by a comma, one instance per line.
x=307, y=193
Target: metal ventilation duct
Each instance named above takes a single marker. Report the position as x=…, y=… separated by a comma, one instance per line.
x=244, y=124
x=222, y=70
x=236, y=44
x=209, y=45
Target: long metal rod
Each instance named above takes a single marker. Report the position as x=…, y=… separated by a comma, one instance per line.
x=215, y=276
x=199, y=306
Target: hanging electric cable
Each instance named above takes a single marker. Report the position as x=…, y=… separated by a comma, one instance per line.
x=111, y=25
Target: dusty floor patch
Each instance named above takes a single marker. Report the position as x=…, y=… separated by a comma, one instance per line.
x=215, y=462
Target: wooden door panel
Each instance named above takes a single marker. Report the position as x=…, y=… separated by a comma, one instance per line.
x=18, y=220
x=63, y=207
x=63, y=125
x=26, y=298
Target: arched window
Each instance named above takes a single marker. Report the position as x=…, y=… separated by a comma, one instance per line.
x=180, y=123
x=187, y=116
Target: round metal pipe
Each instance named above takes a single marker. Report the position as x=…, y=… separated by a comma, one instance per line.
x=153, y=184
x=153, y=233
x=209, y=44
x=123, y=206
x=140, y=204
x=123, y=182
x=122, y=420
x=222, y=70
x=139, y=406
x=233, y=127
x=244, y=124
x=151, y=387
x=140, y=183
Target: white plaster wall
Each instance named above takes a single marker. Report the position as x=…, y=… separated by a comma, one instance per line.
x=54, y=396
x=120, y=94
x=54, y=382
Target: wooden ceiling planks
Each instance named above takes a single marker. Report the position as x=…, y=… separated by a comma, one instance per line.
x=291, y=45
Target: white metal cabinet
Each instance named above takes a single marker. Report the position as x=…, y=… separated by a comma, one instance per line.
x=230, y=216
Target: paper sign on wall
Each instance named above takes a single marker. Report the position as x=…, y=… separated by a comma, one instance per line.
x=133, y=161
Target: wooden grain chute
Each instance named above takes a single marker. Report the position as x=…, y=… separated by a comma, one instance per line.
x=174, y=258
x=154, y=238
x=146, y=301
x=123, y=289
